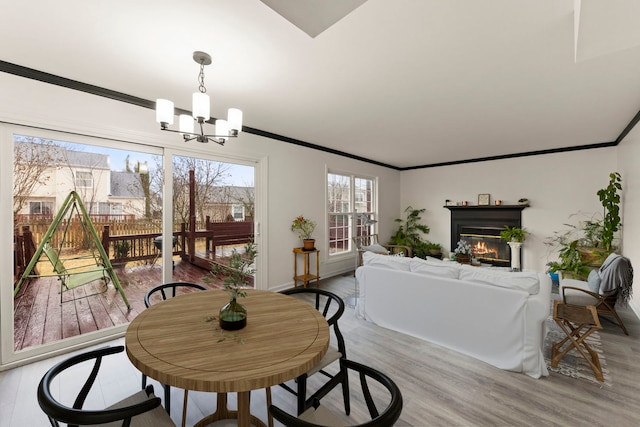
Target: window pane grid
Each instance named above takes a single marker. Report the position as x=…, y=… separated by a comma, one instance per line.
x=348, y=198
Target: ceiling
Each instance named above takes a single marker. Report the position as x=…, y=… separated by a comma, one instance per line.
x=405, y=83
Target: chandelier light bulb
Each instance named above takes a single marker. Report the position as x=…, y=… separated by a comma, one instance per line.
x=186, y=125
x=164, y=111
x=201, y=106
x=222, y=129
x=235, y=119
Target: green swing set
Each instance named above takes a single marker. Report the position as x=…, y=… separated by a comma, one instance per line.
x=72, y=277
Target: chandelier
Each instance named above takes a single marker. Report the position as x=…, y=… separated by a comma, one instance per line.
x=225, y=129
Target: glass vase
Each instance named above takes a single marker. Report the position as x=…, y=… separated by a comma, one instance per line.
x=233, y=316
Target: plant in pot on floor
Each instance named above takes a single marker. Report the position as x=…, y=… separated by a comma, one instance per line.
x=121, y=251
x=434, y=249
x=237, y=273
x=304, y=228
x=409, y=232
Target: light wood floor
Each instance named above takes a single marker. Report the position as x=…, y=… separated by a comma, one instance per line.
x=440, y=387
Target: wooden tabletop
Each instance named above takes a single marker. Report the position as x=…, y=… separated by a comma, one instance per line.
x=173, y=342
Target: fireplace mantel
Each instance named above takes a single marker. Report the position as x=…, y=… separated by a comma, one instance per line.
x=476, y=207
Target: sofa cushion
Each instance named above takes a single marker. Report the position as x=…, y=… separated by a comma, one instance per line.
x=435, y=268
x=386, y=261
x=525, y=281
x=376, y=247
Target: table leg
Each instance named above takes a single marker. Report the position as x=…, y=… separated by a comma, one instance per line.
x=244, y=409
x=243, y=414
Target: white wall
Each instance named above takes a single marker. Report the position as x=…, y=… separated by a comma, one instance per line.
x=628, y=161
x=557, y=186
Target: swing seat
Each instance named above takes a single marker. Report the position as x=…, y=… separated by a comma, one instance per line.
x=71, y=280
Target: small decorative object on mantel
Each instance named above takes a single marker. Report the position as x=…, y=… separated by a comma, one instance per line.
x=484, y=199
x=464, y=203
x=237, y=273
x=523, y=201
x=463, y=252
x=304, y=227
x=498, y=202
x=449, y=203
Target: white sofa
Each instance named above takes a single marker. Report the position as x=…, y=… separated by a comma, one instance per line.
x=492, y=315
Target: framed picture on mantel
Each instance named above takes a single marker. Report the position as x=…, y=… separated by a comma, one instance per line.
x=484, y=199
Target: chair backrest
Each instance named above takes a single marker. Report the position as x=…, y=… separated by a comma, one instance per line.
x=161, y=291
x=379, y=417
x=51, y=253
x=329, y=304
x=58, y=412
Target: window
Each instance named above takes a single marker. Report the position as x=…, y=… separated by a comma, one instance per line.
x=351, y=201
x=40, y=208
x=238, y=212
x=84, y=179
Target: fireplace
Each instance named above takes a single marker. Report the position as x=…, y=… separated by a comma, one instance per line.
x=481, y=227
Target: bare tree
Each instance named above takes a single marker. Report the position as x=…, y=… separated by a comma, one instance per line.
x=32, y=158
x=210, y=177
x=246, y=196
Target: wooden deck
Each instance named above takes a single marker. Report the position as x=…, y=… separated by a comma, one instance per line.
x=39, y=318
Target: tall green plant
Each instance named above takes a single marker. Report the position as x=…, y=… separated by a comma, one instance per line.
x=610, y=200
x=409, y=232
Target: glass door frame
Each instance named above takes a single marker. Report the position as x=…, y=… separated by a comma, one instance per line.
x=8, y=356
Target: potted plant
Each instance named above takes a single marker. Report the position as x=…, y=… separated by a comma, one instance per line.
x=610, y=200
x=237, y=274
x=121, y=249
x=434, y=249
x=304, y=228
x=513, y=234
x=409, y=232
x=463, y=252
x=570, y=263
x=523, y=201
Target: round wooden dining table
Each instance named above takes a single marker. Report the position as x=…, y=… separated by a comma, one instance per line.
x=178, y=342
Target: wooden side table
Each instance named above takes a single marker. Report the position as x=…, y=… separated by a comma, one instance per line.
x=307, y=276
x=577, y=322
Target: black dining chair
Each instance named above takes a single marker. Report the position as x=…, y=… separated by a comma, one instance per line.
x=139, y=409
x=384, y=407
x=158, y=294
x=332, y=307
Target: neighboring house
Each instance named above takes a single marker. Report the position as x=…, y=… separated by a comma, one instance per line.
x=126, y=196
x=231, y=203
x=103, y=192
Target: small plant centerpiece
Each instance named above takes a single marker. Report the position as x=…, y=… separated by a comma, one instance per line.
x=304, y=228
x=463, y=252
x=236, y=273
